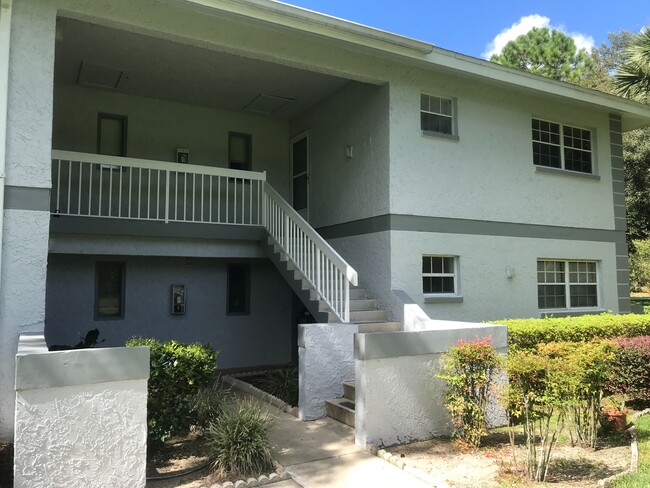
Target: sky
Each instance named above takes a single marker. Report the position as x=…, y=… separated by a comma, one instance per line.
x=480, y=27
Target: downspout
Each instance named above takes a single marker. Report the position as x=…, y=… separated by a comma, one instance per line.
x=5, y=36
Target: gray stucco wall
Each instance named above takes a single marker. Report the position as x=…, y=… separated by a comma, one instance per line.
x=261, y=338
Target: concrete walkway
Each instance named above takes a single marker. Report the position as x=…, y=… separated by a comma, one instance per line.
x=322, y=454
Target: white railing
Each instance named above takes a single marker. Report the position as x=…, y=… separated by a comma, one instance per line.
x=93, y=185
x=318, y=262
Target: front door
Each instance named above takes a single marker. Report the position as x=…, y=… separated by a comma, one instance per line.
x=300, y=174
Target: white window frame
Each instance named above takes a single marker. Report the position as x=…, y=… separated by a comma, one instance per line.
x=592, y=151
x=454, y=275
x=568, y=283
x=453, y=116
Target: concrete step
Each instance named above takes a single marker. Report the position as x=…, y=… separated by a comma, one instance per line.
x=370, y=327
x=363, y=316
x=357, y=305
x=348, y=390
x=341, y=409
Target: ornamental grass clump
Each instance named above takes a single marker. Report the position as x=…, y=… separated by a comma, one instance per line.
x=469, y=369
x=239, y=440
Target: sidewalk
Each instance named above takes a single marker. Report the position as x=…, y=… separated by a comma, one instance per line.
x=322, y=454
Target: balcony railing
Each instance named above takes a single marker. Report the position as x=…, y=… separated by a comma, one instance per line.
x=92, y=185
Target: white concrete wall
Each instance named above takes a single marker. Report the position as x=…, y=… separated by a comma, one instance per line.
x=326, y=360
x=488, y=174
x=157, y=127
x=24, y=241
x=343, y=189
x=81, y=416
x=487, y=293
x=398, y=397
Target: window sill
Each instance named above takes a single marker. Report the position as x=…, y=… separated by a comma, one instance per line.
x=574, y=312
x=443, y=299
x=440, y=135
x=565, y=172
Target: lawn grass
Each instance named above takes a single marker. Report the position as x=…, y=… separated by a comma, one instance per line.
x=640, y=479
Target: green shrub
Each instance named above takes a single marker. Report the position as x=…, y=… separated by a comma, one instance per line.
x=631, y=368
x=177, y=373
x=239, y=440
x=527, y=333
x=469, y=370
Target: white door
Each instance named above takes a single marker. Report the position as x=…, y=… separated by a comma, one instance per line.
x=300, y=174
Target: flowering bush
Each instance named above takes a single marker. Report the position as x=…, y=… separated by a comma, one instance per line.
x=469, y=370
x=630, y=374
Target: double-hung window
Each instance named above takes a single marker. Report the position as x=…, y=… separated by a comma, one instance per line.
x=439, y=275
x=437, y=115
x=562, y=146
x=567, y=284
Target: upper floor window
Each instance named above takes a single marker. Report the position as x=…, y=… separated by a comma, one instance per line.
x=561, y=146
x=567, y=284
x=240, y=150
x=439, y=275
x=437, y=115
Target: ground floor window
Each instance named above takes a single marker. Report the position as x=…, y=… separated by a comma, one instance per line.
x=439, y=275
x=239, y=280
x=109, y=290
x=567, y=284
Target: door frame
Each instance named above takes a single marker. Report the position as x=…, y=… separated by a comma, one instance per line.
x=298, y=137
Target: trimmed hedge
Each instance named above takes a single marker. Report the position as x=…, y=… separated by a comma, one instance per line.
x=178, y=372
x=631, y=369
x=527, y=333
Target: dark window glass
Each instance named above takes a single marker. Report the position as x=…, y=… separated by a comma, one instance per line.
x=238, y=289
x=109, y=290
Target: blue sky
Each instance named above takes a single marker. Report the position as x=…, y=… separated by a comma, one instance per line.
x=470, y=26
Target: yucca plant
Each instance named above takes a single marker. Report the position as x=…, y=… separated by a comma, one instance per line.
x=209, y=404
x=239, y=440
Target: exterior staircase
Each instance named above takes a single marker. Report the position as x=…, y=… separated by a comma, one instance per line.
x=342, y=409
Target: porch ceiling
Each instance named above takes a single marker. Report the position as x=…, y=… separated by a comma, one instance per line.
x=166, y=70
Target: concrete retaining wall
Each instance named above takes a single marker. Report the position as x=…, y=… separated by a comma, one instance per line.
x=398, y=397
x=81, y=416
x=326, y=360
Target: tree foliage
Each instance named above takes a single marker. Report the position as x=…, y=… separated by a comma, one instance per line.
x=633, y=75
x=548, y=53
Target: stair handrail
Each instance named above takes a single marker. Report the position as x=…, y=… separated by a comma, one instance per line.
x=328, y=252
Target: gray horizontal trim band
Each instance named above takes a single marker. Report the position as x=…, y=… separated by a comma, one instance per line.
x=441, y=299
x=36, y=370
x=564, y=172
x=415, y=223
x=397, y=344
x=66, y=224
x=27, y=198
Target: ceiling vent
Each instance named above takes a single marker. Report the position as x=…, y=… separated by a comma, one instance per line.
x=267, y=104
x=99, y=76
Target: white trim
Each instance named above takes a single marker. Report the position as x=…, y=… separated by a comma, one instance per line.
x=455, y=275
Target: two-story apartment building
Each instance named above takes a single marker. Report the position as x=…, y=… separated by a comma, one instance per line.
x=160, y=157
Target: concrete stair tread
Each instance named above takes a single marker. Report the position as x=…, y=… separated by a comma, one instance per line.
x=371, y=327
x=341, y=409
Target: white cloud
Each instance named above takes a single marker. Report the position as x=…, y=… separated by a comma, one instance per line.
x=527, y=23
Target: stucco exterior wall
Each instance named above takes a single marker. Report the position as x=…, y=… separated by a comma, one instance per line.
x=487, y=293
x=488, y=174
x=81, y=416
x=342, y=188
x=261, y=338
x=398, y=397
x=326, y=360
x=157, y=127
